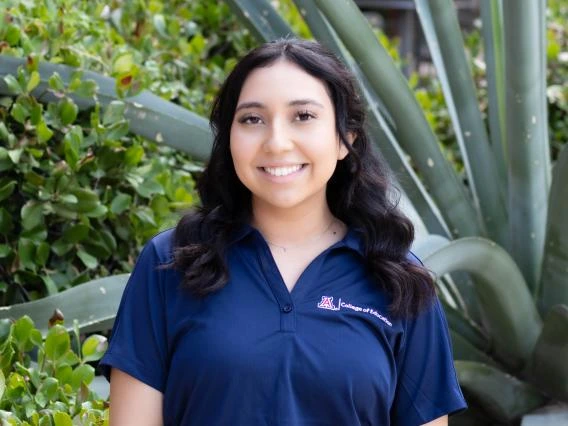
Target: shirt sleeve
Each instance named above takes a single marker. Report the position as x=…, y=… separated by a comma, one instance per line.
x=427, y=385
x=138, y=343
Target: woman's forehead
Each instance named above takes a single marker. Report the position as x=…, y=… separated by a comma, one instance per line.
x=285, y=80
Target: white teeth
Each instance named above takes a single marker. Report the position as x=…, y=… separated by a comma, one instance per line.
x=282, y=171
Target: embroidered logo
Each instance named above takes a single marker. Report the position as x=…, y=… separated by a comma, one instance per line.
x=327, y=303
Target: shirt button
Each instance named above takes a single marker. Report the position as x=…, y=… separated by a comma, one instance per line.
x=287, y=308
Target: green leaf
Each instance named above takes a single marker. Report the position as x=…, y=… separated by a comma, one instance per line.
x=6, y=190
x=114, y=112
x=50, y=285
x=72, y=142
x=68, y=198
x=44, y=133
x=527, y=134
x=26, y=253
x=67, y=111
x=84, y=373
x=512, y=319
x=148, y=188
x=548, y=367
x=261, y=19
x=32, y=214
x=87, y=89
x=62, y=419
x=120, y=203
x=503, y=396
x=442, y=31
x=33, y=81
x=57, y=343
x=94, y=347
x=88, y=200
x=76, y=233
x=145, y=215
x=42, y=253
x=13, y=85
x=12, y=34
x=554, y=282
x=134, y=155
x=88, y=260
x=123, y=64
x=494, y=53
x=21, y=332
x=19, y=113
x=47, y=391
x=56, y=83
x=6, y=222
x=15, y=155
x=117, y=130
x=60, y=247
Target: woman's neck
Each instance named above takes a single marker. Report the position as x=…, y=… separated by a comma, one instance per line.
x=292, y=227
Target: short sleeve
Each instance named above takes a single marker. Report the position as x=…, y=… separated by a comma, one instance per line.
x=138, y=342
x=427, y=385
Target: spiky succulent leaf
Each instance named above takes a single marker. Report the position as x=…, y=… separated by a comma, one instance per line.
x=513, y=321
x=441, y=28
x=527, y=134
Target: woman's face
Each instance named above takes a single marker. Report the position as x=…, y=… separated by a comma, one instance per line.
x=284, y=142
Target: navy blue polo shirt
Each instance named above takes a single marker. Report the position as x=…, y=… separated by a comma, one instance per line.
x=253, y=353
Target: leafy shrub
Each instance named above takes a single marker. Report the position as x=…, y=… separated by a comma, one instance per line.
x=53, y=390
x=79, y=194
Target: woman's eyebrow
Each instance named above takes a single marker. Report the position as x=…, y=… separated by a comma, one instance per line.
x=294, y=102
x=306, y=101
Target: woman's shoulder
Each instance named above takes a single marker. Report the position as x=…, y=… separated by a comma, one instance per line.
x=161, y=246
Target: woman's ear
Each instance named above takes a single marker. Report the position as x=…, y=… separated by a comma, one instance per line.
x=343, y=151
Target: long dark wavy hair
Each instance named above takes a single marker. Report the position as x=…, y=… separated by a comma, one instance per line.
x=359, y=192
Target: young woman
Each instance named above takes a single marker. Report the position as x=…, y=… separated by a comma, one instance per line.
x=289, y=297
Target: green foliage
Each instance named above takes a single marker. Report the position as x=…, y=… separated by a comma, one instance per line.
x=431, y=98
x=52, y=388
x=79, y=194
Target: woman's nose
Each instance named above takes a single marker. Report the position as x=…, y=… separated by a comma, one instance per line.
x=278, y=138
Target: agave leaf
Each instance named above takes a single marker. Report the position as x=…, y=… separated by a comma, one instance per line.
x=492, y=31
x=503, y=396
x=512, y=319
x=549, y=364
x=467, y=329
x=554, y=281
x=93, y=304
x=527, y=134
x=441, y=28
x=463, y=350
x=149, y=115
x=261, y=19
x=412, y=130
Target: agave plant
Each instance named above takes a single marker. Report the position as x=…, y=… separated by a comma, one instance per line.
x=497, y=239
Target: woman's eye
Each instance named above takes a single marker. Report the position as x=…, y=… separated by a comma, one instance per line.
x=250, y=119
x=305, y=116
